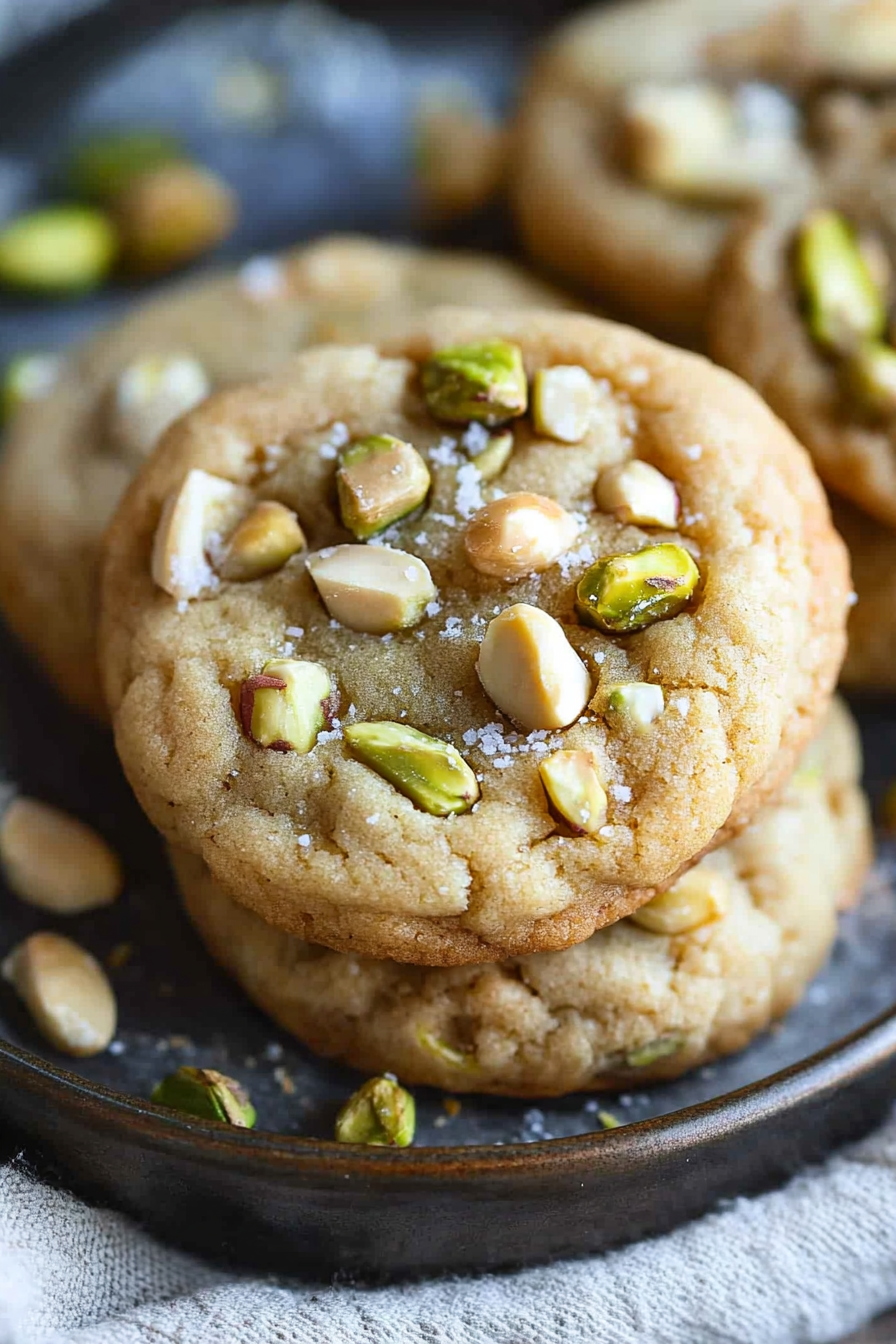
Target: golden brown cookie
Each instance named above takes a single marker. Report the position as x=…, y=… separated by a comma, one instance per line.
x=654, y=679
x=753, y=923
x=647, y=128
x=871, y=649
x=70, y=454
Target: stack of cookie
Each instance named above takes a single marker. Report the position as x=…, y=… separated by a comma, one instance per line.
x=481, y=678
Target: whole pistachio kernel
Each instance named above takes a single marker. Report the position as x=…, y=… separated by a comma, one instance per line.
x=430, y=772
x=267, y=537
x=380, y=1113
x=697, y=899
x=563, y=401
x=62, y=249
x=624, y=593
x=380, y=479
x=207, y=1094
x=484, y=382
x=172, y=214
x=641, y=702
x=573, y=785
x=870, y=378
x=844, y=306
x=287, y=705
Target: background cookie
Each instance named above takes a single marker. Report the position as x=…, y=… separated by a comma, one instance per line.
x=644, y=133
x=625, y=1007
x=320, y=843
x=66, y=460
x=871, y=650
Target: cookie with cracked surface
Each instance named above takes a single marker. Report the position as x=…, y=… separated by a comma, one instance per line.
x=693, y=977
x=647, y=128
x=804, y=309
x=551, y=688
x=70, y=453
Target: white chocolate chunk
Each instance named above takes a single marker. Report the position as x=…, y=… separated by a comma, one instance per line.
x=151, y=393
x=66, y=992
x=194, y=519
x=530, y=670
x=563, y=402
x=635, y=492
x=371, y=588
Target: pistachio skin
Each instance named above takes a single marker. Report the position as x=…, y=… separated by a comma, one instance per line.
x=844, y=306
x=207, y=1094
x=380, y=480
x=622, y=594
x=432, y=773
x=62, y=249
x=484, y=382
x=381, y=1114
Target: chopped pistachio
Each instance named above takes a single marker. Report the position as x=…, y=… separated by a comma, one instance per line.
x=563, y=402
x=171, y=215
x=202, y=508
x=151, y=393
x=103, y=165
x=530, y=670
x=58, y=250
x=371, y=588
x=380, y=1113
x=380, y=480
x=640, y=701
x=870, y=377
x=662, y=1048
x=844, y=305
x=485, y=382
x=207, y=1094
x=448, y=1054
x=608, y=1120
x=518, y=534
x=287, y=705
x=27, y=378
x=625, y=593
x=635, y=492
x=430, y=772
x=493, y=457
x=263, y=542
x=572, y=782
x=700, y=897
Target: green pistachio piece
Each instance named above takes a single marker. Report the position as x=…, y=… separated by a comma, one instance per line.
x=608, y=1120
x=870, y=377
x=63, y=249
x=844, y=305
x=27, y=378
x=573, y=785
x=662, y=1048
x=491, y=459
x=103, y=165
x=432, y=773
x=380, y=1113
x=287, y=705
x=638, y=701
x=207, y=1094
x=448, y=1054
x=485, y=382
x=267, y=537
x=624, y=593
x=380, y=480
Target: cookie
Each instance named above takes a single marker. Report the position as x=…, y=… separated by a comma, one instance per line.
x=647, y=128
x=871, y=648
x=522, y=715
x=631, y=1005
x=70, y=455
x=778, y=317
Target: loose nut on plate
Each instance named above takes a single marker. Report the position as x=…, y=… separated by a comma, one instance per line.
x=870, y=378
x=267, y=537
x=102, y=165
x=66, y=992
x=492, y=455
x=625, y=593
x=698, y=898
x=370, y=588
x=518, y=534
x=27, y=378
x=55, y=862
x=530, y=670
x=485, y=382
x=380, y=1113
x=172, y=214
x=845, y=308
x=61, y=249
x=207, y=1094
x=287, y=705
x=380, y=479
x=563, y=402
x=194, y=518
x=639, y=701
x=635, y=492
x=430, y=772
x=573, y=785
x=151, y=393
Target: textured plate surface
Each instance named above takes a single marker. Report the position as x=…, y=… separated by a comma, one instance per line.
x=336, y=159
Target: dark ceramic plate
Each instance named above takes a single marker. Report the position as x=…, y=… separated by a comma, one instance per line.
x=500, y=1183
